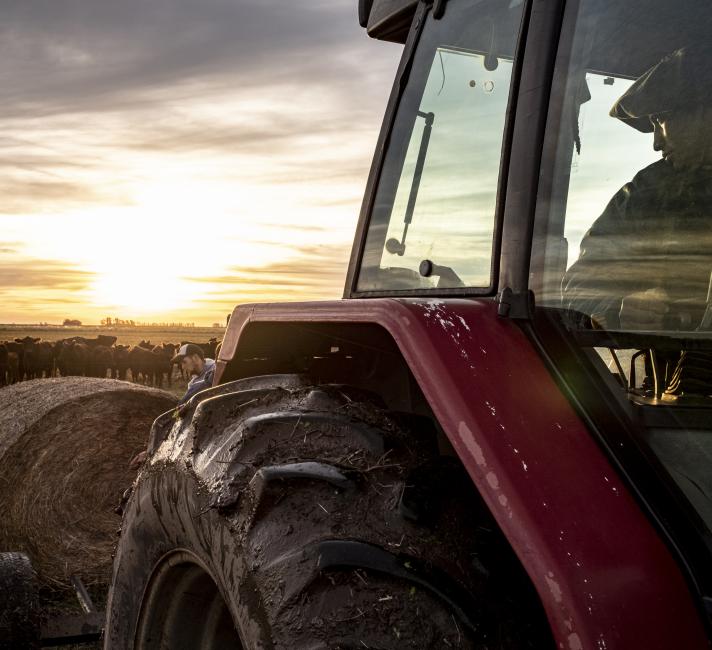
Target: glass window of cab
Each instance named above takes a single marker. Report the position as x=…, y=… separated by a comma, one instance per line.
x=432, y=224
x=623, y=234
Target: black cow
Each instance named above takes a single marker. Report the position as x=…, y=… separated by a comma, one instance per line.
x=102, y=339
x=162, y=366
x=73, y=359
x=141, y=362
x=16, y=353
x=121, y=362
x=26, y=358
x=4, y=364
x=101, y=360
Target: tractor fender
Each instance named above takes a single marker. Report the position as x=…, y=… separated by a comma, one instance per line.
x=604, y=574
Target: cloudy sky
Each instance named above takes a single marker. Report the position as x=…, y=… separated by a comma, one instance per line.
x=167, y=160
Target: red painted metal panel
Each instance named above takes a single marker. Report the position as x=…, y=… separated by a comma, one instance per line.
x=605, y=577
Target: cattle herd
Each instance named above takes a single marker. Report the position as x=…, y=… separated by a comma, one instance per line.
x=146, y=363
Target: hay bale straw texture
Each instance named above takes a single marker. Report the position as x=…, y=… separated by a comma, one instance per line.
x=65, y=449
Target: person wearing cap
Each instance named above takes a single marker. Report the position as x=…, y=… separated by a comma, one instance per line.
x=193, y=361
x=648, y=258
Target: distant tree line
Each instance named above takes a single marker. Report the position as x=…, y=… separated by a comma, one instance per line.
x=116, y=322
x=120, y=322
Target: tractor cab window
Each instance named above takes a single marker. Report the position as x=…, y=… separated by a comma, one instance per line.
x=433, y=222
x=622, y=253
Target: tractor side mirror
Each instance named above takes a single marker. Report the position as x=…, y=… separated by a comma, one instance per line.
x=364, y=11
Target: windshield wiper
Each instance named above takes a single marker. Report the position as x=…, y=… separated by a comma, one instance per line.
x=393, y=246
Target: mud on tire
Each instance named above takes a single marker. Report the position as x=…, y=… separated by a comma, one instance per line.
x=324, y=520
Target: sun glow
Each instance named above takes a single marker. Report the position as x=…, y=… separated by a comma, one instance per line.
x=156, y=255
x=195, y=237
x=126, y=291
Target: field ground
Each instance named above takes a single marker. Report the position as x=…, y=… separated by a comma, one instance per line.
x=125, y=335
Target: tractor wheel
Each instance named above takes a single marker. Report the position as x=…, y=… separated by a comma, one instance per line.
x=19, y=603
x=277, y=514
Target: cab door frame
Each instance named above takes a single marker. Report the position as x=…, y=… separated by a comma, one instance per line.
x=519, y=163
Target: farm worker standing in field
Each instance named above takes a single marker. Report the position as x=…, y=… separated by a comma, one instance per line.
x=193, y=361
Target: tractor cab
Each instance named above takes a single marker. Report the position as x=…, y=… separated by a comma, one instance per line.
x=556, y=158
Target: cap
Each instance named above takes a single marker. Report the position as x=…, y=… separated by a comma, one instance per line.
x=682, y=79
x=187, y=349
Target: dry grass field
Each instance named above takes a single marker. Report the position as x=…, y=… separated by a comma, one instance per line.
x=125, y=335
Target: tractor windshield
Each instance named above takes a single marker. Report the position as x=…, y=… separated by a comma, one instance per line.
x=622, y=254
x=433, y=221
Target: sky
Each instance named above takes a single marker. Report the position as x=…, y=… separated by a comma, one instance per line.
x=166, y=160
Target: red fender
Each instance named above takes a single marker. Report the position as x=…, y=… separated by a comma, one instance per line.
x=604, y=575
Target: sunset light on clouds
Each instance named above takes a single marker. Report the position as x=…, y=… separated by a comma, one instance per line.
x=167, y=161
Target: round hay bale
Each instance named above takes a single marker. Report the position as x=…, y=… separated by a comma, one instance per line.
x=65, y=449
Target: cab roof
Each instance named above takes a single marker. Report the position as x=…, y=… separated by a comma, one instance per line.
x=387, y=20
x=627, y=37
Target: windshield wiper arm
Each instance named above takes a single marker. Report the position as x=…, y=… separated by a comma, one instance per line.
x=393, y=246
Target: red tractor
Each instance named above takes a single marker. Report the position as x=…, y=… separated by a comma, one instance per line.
x=502, y=436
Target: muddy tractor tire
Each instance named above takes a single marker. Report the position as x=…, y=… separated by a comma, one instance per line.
x=19, y=603
x=278, y=514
